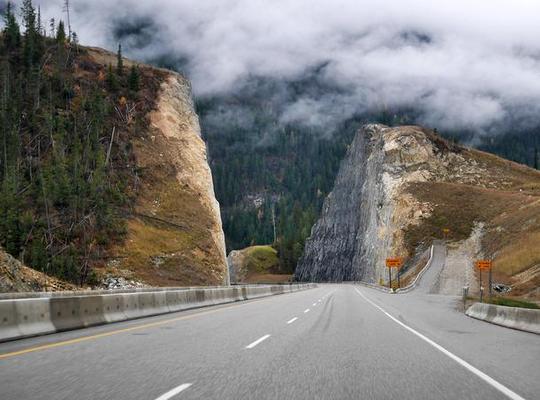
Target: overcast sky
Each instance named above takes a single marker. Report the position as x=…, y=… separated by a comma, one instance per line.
x=465, y=63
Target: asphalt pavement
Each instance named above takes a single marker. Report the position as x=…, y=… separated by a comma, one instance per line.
x=332, y=342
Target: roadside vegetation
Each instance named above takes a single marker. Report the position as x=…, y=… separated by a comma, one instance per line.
x=503, y=301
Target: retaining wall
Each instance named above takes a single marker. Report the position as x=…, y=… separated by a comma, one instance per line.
x=24, y=317
x=523, y=319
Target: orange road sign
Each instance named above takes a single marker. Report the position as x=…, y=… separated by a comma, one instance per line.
x=483, y=264
x=393, y=262
x=446, y=230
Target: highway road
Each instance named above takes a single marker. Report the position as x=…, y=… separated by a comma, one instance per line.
x=332, y=342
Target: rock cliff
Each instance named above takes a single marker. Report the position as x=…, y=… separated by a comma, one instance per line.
x=399, y=188
x=175, y=235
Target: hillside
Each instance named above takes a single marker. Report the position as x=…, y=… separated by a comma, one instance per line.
x=16, y=277
x=255, y=264
x=104, y=172
x=399, y=188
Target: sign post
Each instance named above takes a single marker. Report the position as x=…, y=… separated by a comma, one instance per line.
x=484, y=265
x=393, y=263
x=446, y=231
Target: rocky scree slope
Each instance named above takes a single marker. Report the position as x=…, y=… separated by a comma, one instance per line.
x=399, y=187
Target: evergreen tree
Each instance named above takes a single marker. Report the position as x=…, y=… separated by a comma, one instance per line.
x=61, y=33
x=119, y=61
x=12, y=35
x=112, y=81
x=134, y=78
x=33, y=44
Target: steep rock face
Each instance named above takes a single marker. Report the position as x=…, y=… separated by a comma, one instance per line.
x=398, y=188
x=175, y=236
x=337, y=249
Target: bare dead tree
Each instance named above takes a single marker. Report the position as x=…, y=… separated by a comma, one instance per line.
x=110, y=146
x=125, y=111
x=66, y=10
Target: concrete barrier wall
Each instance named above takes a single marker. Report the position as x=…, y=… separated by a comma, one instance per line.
x=21, y=318
x=523, y=319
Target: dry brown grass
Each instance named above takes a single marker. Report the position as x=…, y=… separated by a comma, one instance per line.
x=519, y=255
x=457, y=207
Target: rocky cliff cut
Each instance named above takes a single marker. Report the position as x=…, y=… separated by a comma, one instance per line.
x=175, y=236
x=399, y=188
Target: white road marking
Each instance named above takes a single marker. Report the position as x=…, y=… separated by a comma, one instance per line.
x=499, y=386
x=314, y=304
x=256, y=342
x=292, y=320
x=306, y=310
x=174, y=392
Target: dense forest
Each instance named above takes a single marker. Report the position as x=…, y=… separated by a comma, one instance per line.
x=64, y=181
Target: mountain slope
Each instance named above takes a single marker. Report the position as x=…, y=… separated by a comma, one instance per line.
x=399, y=188
x=103, y=172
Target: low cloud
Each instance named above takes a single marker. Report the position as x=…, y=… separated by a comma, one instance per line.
x=460, y=64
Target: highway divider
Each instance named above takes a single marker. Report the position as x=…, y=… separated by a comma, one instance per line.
x=40, y=315
x=524, y=319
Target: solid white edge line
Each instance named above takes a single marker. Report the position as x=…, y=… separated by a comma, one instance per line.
x=306, y=310
x=174, y=392
x=292, y=320
x=256, y=342
x=499, y=386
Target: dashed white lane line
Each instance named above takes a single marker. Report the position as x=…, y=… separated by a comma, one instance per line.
x=292, y=320
x=314, y=304
x=174, y=392
x=256, y=342
x=486, y=378
x=306, y=310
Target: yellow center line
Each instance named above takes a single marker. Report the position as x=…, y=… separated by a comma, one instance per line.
x=124, y=330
